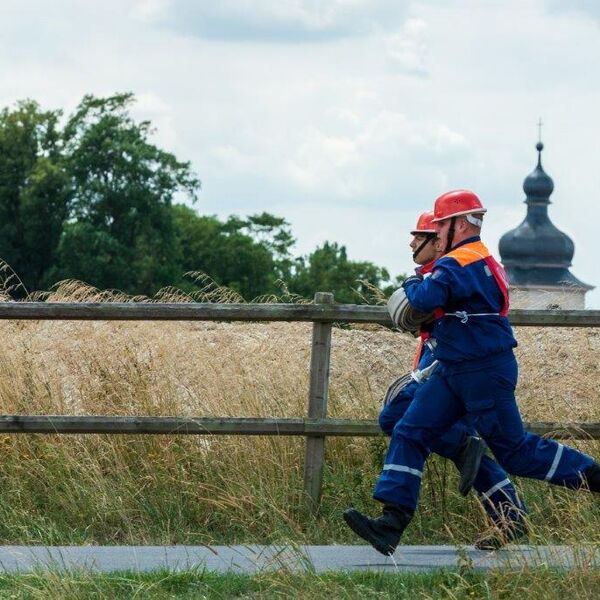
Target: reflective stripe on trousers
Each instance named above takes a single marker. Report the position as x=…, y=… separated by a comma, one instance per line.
x=403, y=469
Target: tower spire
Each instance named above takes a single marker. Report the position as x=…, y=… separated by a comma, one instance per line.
x=539, y=146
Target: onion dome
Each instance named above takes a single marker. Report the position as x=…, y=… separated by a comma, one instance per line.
x=536, y=253
x=538, y=184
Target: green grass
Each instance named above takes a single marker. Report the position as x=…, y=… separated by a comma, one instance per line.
x=151, y=490
x=542, y=584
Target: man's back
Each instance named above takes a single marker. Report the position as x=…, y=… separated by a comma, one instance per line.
x=465, y=288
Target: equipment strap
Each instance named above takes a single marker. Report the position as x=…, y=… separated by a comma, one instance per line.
x=463, y=315
x=501, y=279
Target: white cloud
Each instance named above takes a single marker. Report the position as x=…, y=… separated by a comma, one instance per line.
x=281, y=20
x=589, y=8
x=149, y=106
x=406, y=49
x=233, y=161
x=342, y=158
x=322, y=163
x=149, y=11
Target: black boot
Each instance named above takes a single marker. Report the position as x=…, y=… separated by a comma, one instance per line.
x=467, y=462
x=384, y=532
x=592, y=478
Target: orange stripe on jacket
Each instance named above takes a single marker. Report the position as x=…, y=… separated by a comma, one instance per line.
x=469, y=253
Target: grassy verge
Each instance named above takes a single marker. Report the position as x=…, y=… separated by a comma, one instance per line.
x=533, y=585
x=171, y=490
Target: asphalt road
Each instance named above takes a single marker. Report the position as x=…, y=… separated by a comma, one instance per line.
x=254, y=558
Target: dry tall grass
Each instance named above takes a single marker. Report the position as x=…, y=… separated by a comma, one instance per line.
x=184, y=489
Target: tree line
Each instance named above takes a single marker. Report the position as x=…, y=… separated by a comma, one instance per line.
x=88, y=196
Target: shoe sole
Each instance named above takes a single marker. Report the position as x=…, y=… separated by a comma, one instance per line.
x=356, y=524
x=466, y=483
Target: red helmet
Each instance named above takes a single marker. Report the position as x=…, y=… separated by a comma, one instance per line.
x=455, y=204
x=424, y=224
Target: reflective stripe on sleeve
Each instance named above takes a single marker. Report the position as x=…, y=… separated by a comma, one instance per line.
x=402, y=469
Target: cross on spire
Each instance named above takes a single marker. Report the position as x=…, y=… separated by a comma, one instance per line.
x=539, y=125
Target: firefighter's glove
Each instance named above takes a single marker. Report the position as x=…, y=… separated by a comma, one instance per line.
x=412, y=280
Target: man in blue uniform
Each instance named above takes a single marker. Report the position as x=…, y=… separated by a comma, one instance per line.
x=476, y=377
x=460, y=443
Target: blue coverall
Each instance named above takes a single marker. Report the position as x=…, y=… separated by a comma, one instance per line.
x=494, y=489
x=476, y=377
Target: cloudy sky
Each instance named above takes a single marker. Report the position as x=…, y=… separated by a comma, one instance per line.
x=347, y=117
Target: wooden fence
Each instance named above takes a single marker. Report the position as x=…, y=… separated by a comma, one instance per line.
x=323, y=313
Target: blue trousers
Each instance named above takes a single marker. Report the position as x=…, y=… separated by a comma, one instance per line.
x=494, y=489
x=486, y=395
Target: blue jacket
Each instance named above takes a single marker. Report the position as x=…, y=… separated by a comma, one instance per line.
x=462, y=281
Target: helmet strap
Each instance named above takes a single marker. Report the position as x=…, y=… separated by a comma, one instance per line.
x=450, y=237
x=429, y=237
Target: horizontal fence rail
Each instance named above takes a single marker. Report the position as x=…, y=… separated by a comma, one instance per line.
x=204, y=311
x=240, y=426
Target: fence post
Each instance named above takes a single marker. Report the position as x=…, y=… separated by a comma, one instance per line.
x=317, y=406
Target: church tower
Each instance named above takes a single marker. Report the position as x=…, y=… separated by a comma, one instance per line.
x=537, y=256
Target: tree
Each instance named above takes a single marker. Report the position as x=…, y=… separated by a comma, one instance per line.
x=328, y=269
x=35, y=191
x=273, y=233
x=90, y=197
x=92, y=255
x=123, y=188
x=224, y=252
x=250, y=255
